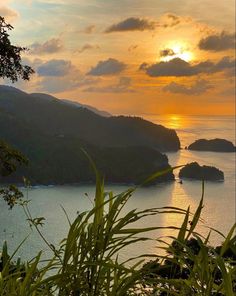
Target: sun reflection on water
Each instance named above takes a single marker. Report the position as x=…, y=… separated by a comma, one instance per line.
x=175, y=121
x=180, y=199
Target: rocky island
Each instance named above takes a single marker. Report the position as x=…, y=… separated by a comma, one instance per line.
x=216, y=145
x=195, y=171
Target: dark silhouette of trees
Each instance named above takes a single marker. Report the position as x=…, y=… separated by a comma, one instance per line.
x=11, y=67
x=10, y=158
x=10, y=56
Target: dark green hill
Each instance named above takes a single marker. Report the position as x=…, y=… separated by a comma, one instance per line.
x=49, y=134
x=59, y=160
x=56, y=118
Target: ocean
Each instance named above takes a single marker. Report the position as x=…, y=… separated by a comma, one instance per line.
x=219, y=197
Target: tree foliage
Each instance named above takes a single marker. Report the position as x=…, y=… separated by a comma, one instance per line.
x=11, y=67
x=10, y=56
x=10, y=158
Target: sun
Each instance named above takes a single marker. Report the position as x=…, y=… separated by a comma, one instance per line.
x=176, y=50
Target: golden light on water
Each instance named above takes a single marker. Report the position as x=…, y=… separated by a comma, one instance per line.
x=175, y=121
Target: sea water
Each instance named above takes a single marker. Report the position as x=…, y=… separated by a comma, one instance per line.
x=219, y=197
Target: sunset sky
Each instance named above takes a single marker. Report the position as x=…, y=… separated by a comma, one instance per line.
x=130, y=56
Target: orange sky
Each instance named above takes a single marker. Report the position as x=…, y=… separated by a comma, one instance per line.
x=130, y=57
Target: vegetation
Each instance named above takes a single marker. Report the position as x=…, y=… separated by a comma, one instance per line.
x=193, y=268
x=10, y=56
x=10, y=159
x=87, y=261
x=60, y=162
x=54, y=118
x=194, y=171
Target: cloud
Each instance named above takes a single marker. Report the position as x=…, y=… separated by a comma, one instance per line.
x=172, y=20
x=63, y=83
x=167, y=52
x=218, y=42
x=57, y=2
x=53, y=85
x=9, y=14
x=123, y=86
x=53, y=45
x=132, y=24
x=56, y=76
x=55, y=68
x=143, y=24
x=32, y=63
x=199, y=87
x=178, y=67
x=74, y=79
x=174, y=67
x=107, y=67
x=89, y=29
x=226, y=63
x=132, y=47
x=88, y=47
x=228, y=92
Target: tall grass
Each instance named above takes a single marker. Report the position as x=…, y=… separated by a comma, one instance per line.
x=88, y=262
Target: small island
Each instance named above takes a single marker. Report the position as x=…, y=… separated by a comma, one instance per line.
x=195, y=171
x=215, y=145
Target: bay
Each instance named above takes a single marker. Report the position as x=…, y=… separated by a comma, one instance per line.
x=219, y=199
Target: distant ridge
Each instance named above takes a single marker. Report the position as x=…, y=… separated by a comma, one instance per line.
x=72, y=103
x=79, y=105
x=44, y=97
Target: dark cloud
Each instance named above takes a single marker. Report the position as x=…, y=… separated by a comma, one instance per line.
x=123, y=86
x=132, y=24
x=218, y=42
x=199, y=87
x=144, y=24
x=226, y=63
x=55, y=68
x=50, y=46
x=88, y=47
x=178, y=67
x=167, y=52
x=107, y=67
x=174, y=67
